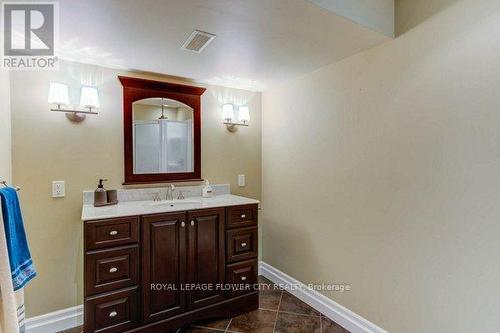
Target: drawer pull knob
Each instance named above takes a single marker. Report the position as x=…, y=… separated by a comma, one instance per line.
x=243, y=278
x=243, y=216
x=183, y=224
x=243, y=244
x=113, y=233
x=113, y=314
x=113, y=270
x=192, y=223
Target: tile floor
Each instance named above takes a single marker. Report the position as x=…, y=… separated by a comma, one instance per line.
x=279, y=312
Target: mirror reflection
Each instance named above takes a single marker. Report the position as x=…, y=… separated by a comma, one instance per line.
x=163, y=136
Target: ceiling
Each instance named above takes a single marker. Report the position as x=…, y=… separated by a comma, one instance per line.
x=259, y=42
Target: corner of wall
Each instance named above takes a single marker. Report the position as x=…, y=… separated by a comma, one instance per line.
x=411, y=13
x=5, y=128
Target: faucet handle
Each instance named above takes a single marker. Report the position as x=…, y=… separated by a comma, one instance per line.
x=156, y=196
x=180, y=196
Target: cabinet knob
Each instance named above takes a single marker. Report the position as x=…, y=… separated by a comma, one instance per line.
x=243, y=278
x=113, y=270
x=243, y=244
x=113, y=314
x=113, y=233
x=192, y=222
x=183, y=224
x=243, y=216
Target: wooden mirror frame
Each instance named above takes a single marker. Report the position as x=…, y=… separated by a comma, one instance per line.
x=135, y=89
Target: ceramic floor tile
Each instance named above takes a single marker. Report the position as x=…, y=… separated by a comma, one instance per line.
x=264, y=280
x=290, y=303
x=328, y=326
x=269, y=297
x=259, y=321
x=220, y=324
x=200, y=330
x=293, y=323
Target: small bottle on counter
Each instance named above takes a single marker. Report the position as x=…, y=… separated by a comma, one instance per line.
x=100, y=195
x=207, y=191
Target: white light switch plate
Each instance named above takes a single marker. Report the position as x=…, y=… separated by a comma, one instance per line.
x=241, y=180
x=58, y=189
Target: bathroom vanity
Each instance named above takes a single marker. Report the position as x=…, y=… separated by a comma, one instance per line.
x=157, y=266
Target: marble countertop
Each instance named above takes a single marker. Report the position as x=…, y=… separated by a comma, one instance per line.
x=133, y=208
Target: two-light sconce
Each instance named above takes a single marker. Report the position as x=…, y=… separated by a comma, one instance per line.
x=89, y=100
x=230, y=118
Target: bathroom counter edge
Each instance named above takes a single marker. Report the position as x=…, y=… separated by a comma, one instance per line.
x=135, y=208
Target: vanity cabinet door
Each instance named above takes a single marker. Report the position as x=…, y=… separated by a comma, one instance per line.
x=163, y=265
x=206, y=261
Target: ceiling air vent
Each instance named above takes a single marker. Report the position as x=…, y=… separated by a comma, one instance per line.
x=198, y=41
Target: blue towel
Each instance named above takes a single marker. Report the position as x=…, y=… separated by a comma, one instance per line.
x=21, y=265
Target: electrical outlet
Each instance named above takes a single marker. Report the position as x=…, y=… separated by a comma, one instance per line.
x=58, y=189
x=241, y=180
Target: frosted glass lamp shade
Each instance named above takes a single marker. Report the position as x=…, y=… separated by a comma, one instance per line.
x=228, y=112
x=58, y=94
x=244, y=114
x=89, y=97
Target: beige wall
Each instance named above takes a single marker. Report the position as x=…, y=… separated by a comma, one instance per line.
x=377, y=15
x=391, y=183
x=47, y=147
x=411, y=13
x=5, y=127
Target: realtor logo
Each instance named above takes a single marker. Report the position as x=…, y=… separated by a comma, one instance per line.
x=29, y=35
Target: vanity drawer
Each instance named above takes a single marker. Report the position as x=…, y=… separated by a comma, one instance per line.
x=242, y=216
x=111, y=269
x=242, y=277
x=113, y=312
x=112, y=232
x=241, y=244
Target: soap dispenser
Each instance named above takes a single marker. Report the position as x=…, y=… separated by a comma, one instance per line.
x=100, y=195
x=207, y=190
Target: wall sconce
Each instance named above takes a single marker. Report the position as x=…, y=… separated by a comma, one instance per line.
x=228, y=112
x=89, y=99
x=229, y=117
x=244, y=115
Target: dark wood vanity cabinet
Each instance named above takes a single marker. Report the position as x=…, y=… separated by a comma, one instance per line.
x=163, y=265
x=205, y=257
x=154, y=273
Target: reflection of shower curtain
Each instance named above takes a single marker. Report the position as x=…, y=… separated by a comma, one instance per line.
x=175, y=154
x=146, y=147
x=163, y=146
x=176, y=140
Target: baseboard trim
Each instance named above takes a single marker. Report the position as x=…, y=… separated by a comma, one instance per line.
x=73, y=317
x=56, y=321
x=336, y=312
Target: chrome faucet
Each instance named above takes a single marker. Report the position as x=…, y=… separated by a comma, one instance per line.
x=170, y=192
x=180, y=196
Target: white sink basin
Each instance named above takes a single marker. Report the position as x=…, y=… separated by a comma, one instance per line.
x=174, y=203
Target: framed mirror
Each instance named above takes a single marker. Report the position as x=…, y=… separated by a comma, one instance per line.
x=162, y=124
